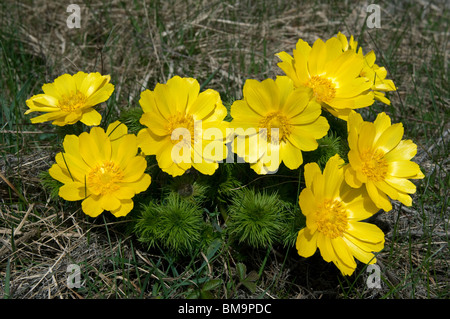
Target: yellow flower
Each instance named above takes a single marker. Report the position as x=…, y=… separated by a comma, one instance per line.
x=333, y=75
x=271, y=105
x=185, y=128
x=70, y=99
x=334, y=212
x=102, y=169
x=374, y=73
x=381, y=160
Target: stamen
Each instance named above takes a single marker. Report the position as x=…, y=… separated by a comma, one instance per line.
x=276, y=120
x=104, y=178
x=324, y=89
x=181, y=121
x=332, y=218
x=73, y=101
x=374, y=165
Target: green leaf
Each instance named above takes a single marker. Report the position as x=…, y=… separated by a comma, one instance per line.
x=213, y=247
x=252, y=276
x=206, y=295
x=250, y=285
x=194, y=294
x=241, y=270
x=212, y=284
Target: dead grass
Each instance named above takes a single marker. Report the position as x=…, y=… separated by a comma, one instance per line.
x=221, y=43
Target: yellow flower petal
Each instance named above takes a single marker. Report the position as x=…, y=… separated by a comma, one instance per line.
x=406, y=169
x=91, y=117
x=141, y=184
x=150, y=143
x=206, y=168
x=360, y=207
x=116, y=131
x=204, y=104
x=124, y=149
x=303, y=139
x=351, y=177
x=379, y=198
x=91, y=205
x=75, y=167
x=307, y=202
x=263, y=97
x=72, y=191
x=387, y=189
x=79, y=78
x=405, y=151
x=382, y=123
x=390, y=138
x=367, y=135
x=48, y=117
x=100, y=96
x=309, y=115
x=89, y=150
x=306, y=243
x=59, y=174
x=401, y=184
x=311, y=170
x=317, y=57
x=125, y=207
x=344, y=258
x=366, y=232
x=43, y=103
x=333, y=176
x=405, y=199
x=109, y=202
x=325, y=247
x=134, y=169
x=292, y=156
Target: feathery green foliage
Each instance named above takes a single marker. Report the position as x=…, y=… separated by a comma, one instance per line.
x=256, y=218
x=330, y=145
x=130, y=117
x=174, y=224
x=50, y=184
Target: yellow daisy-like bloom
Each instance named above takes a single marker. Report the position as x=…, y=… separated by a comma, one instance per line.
x=374, y=73
x=334, y=212
x=278, y=105
x=70, y=99
x=333, y=75
x=381, y=160
x=185, y=128
x=102, y=169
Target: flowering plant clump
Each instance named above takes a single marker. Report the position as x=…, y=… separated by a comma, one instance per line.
x=351, y=168
x=70, y=99
x=371, y=71
x=332, y=73
x=381, y=160
x=102, y=169
x=177, y=116
x=282, y=121
x=334, y=212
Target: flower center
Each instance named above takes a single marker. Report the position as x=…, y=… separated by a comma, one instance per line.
x=374, y=165
x=185, y=121
x=324, y=89
x=332, y=218
x=73, y=101
x=276, y=120
x=105, y=178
